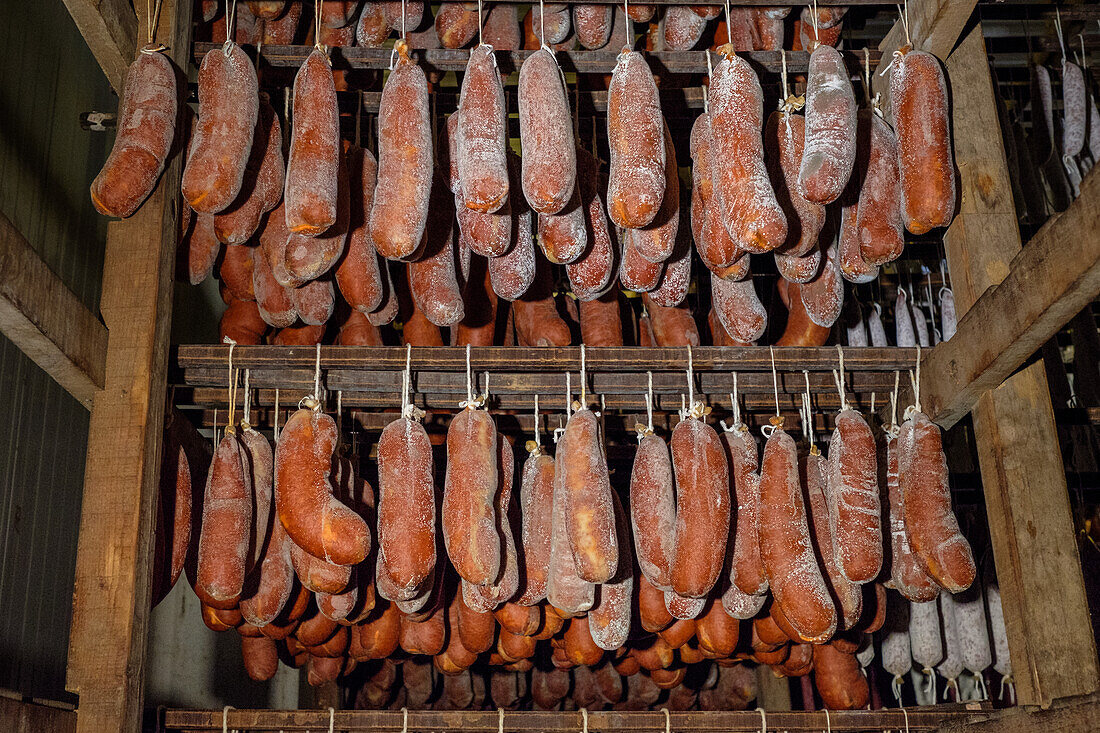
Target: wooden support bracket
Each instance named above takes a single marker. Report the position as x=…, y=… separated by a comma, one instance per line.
x=110, y=29
x=47, y=321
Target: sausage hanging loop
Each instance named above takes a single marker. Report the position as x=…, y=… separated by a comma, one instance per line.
x=404, y=720
x=331, y=718
x=230, y=27
x=584, y=716
x=534, y=447
x=500, y=711
x=629, y=27
x=225, y=718
x=808, y=422
x=668, y=720
x=828, y=722
x=915, y=381
x=584, y=380
x=775, y=380
x=246, y=421
x=232, y=387
x=904, y=712
x=276, y=425
x=644, y=430
x=839, y=380
x=763, y=720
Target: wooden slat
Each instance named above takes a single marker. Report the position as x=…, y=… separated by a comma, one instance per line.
x=1030, y=519
x=19, y=716
x=110, y=29
x=47, y=321
x=1071, y=715
x=926, y=718
x=580, y=61
x=107, y=644
x=1049, y=281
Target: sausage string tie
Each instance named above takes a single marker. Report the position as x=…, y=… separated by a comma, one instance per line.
x=225, y=718
x=668, y=720
x=408, y=410
x=584, y=717
x=276, y=427
x=695, y=408
x=404, y=720
x=735, y=405
x=647, y=429
x=838, y=379
x=584, y=382
x=903, y=13
x=895, y=687
x=979, y=682
x=630, y=28
x=777, y=421
x=808, y=422
x=915, y=380
x=318, y=6
x=876, y=98
x=313, y=401
x=232, y=387
x=904, y=712
x=534, y=447
x=763, y=720
x=246, y=421
x=500, y=711
x=828, y=722
x=480, y=42
x=471, y=402
x=331, y=718
x=152, y=17
x=230, y=27
x=542, y=28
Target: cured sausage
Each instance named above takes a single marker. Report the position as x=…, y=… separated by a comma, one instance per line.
x=831, y=117
x=854, y=508
x=262, y=188
x=926, y=164
x=676, y=278
x=536, y=500
x=357, y=273
x=400, y=209
x=683, y=27
x=739, y=309
x=373, y=27
x=513, y=272
x=656, y=240
x=926, y=497
x=146, y=128
x=456, y=24
x=847, y=595
x=671, y=326
x=784, y=141
x=546, y=134
x=637, y=181
x=517, y=619
x=823, y=297
x=563, y=236
x=747, y=204
x=406, y=504
x=746, y=569
x=309, y=257
x=260, y=657
x=203, y=248
x=228, y=106
x=579, y=646
x=601, y=324
x=653, y=509
x=636, y=272
x=592, y=24
x=316, y=520
x=906, y=570
x=838, y=679
x=552, y=18
x=683, y=607
x=482, y=134
x=470, y=517
x=235, y=272
x=702, y=508
x=433, y=278
x=565, y=589
x=586, y=490
x=223, y=554
x=878, y=224
x=785, y=548
x=609, y=618
x=317, y=575
x=715, y=245
x=716, y=630
x=591, y=273
x=275, y=302
x=799, y=269
x=506, y=587
x=314, y=301
x=501, y=28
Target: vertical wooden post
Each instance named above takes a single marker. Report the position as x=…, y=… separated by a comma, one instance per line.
x=1030, y=522
x=112, y=586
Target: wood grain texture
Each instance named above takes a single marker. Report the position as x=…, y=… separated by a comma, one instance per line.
x=107, y=644
x=1030, y=519
x=18, y=716
x=110, y=28
x=1049, y=281
x=47, y=321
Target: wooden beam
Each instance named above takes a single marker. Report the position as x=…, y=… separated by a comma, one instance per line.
x=1049, y=281
x=111, y=594
x=110, y=29
x=934, y=26
x=47, y=321
x=1030, y=519
x=21, y=716
x=1071, y=715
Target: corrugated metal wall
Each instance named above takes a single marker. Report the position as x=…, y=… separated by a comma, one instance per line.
x=47, y=79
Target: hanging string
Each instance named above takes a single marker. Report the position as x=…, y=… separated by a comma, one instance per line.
x=275, y=430
x=763, y=720
x=408, y=410
x=152, y=19
x=735, y=404
x=903, y=10
x=895, y=687
x=729, y=27
x=542, y=27
x=318, y=6
x=232, y=385
x=828, y=722
x=691, y=379
x=1084, y=56
x=230, y=27
x=817, y=39
x=629, y=27
x=1058, y=29
x=246, y=421
x=915, y=380
x=534, y=447
x=584, y=381
x=905, y=714
x=892, y=432
x=471, y=402
x=480, y=23
x=809, y=424
x=839, y=380
x=647, y=429
x=568, y=393
x=317, y=377
x=777, y=421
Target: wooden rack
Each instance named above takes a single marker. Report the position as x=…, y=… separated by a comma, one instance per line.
x=356, y=721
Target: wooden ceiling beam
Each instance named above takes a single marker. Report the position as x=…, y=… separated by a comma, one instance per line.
x=110, y=29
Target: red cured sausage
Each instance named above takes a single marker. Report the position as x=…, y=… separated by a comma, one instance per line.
x=847, y=595
x=748, y=207
x=653, y=509
x=854, y=507
x=702, y=508
x=469, y=492
x=716, y=247
x=401, y=196
x=683, y=27
x=226, y=522
x=507, y=585
x=636, y=184
x=312, y=173
x=228, y=106
x=309, y=257
x=146, y=128
x=878, y=218
x=838, y=679
x=656, y=240
x=926, y=497
x=799, y=269
x=830, y=148
x=317, y=575
x=314, y=301
x=565, y=589
x=785, y=549
x=357, y=273
x=588, y=505
x=592, y=24
x=482, y=134
x=317, y=521
x=906, y=569
x=563, y=236
x=433, y=278
x=546, y=135
x=262, y=188
x=739, y=309
x=609, y=619
x=671, y=326
x=591, y=273
x=406, y=504
x=800, y=330
x=823, y=297
x=203, y=248
x=746, y=568
x=918, y=95
x=784, y=141
x=536, y=497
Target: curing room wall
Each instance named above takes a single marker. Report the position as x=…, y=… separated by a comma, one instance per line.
x=47, y=80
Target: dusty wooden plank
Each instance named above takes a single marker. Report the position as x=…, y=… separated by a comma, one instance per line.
x=110, y=29
x=47, y=321
x=1071, y=715
x=926, y=718
x=1049, y=281
x=1030, y=520
x=111, y=595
